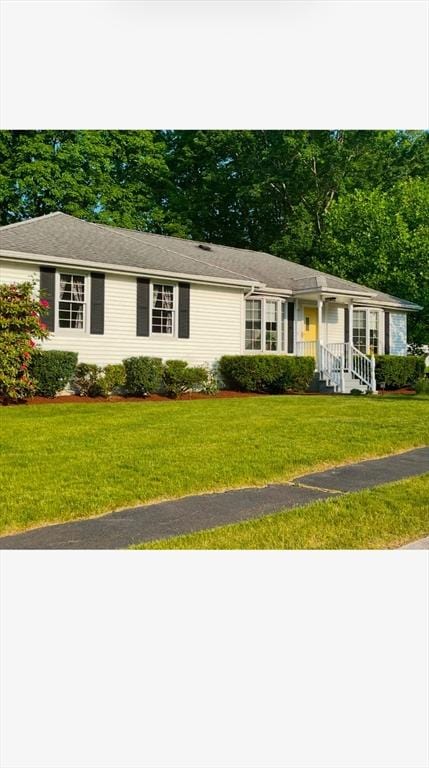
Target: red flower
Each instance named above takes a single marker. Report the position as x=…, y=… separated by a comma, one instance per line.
x=42, y=326
x=44, y=303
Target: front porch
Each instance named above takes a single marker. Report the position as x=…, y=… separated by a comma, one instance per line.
x=340, y=365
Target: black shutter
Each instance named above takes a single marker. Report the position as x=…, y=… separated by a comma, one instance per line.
x=184, y=289
x=47, y=285
x=97, y=302
x=142, y=306
x=290, y=322
x=346, y=325
x=386, y=333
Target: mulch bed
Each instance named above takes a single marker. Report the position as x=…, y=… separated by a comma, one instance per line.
x=221, y=395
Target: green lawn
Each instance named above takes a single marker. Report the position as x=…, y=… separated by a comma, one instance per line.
x=387, y=516
x=62, y=462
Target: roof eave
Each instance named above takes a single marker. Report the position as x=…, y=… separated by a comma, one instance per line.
x=36, y=258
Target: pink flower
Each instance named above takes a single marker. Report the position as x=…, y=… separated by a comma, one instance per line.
x=44, y=303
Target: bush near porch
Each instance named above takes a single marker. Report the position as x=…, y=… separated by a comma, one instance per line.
x=397, y=372
x=267, y=373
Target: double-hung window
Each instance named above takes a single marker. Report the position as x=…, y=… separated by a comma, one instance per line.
x=72, y=301
x=271, y=326
x=366, y=330
x=266, y=320
x=163, y=309
x=374, y=331
x=253, y=338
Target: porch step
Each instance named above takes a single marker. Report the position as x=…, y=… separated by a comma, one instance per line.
x=323, y=387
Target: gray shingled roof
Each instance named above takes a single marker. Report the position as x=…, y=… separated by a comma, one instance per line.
x=59, y=235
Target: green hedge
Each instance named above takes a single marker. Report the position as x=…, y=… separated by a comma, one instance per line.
x=178, y=377
x=143, y=375
x=398, y=371
x=266, y=373
x=52, y=370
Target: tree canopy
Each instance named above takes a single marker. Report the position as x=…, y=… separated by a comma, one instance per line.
x=355, y=203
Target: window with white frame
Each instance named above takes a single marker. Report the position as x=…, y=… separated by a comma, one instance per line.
x=71, y=301
x=266, y=322
x=359, y=330
x=374, y=331
x=162, y=308
x=366, y=330
x=271, y=326
x=253, y=324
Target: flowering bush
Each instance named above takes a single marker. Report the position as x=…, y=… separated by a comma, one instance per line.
x=20, y=326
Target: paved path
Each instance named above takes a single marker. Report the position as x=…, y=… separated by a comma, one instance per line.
x=117, y=530
x=420, y=544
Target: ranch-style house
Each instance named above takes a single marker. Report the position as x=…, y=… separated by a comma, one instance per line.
x=115, y=293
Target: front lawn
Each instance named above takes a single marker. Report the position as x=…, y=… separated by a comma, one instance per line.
x=62, y=462
x=384, y=517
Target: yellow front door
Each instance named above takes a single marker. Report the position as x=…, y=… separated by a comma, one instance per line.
x=310, y=324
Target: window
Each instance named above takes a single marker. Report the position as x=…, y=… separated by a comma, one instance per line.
x=266, y=324
x=253, y=324
x=359, y=330
x=71, y=305
x=366, y=330
x=163, y=308
x=374, y=331
x=271, y=326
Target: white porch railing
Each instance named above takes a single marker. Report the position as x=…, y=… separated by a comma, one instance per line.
x=331, y=368
x=306, y=348
x=362, y=367
x=335, y=359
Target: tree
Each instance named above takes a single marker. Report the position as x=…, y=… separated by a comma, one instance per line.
x=381, y=239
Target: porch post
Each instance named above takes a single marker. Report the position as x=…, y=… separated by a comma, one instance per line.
x=350, y=360
x=319, y=331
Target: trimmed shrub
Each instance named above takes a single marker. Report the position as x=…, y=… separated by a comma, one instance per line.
x=398, y=371
x=267, y=373
x=87, y=380
x=178, y=377
x=52, y=370
x=113, y=378
x=422, y=386
x=143, y=375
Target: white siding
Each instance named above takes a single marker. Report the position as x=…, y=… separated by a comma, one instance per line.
x=333, y=323
x=215, y=324
x=17, y=272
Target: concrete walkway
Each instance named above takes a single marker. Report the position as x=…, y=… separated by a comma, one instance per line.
x=420, y=544
x=117, y=530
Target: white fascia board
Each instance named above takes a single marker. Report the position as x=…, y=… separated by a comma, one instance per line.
x=335, y=292
x=37, y=258
x=389, y=305
x=277, y=292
